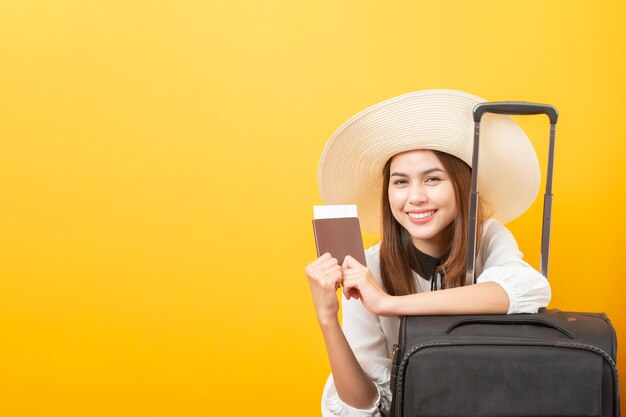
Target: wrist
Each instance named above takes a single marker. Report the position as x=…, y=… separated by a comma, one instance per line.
x=328, y=322
x=388, y=306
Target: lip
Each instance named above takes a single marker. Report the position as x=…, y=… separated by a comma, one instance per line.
x=423, y=220
x=421, y=210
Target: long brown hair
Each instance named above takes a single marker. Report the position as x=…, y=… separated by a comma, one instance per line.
x=396, y=249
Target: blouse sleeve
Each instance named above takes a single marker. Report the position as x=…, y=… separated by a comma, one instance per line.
x=365, y=335
x=502, y=262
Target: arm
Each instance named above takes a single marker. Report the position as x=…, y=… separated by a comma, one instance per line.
x=353, y=385
x=486, y=298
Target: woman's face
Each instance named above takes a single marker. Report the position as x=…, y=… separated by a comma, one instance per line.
x=421, y=196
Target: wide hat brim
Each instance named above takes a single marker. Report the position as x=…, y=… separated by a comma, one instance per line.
x=350, y=169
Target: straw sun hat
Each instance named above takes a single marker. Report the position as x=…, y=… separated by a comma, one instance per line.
x=350, y=169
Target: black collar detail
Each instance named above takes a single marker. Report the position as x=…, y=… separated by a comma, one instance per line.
x=425, y=265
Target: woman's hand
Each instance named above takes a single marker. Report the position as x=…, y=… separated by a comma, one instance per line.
x=358, y=282
x=325, y=276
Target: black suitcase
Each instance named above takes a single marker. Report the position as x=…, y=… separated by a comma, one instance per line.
x=551, y=363
x=547, y=364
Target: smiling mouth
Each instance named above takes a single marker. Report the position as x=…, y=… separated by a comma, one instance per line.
x=421, y=215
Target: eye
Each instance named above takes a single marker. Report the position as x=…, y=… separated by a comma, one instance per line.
x=400, y=182
x=432, y=180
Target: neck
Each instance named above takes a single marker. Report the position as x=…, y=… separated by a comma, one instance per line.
x=435, y=251
x=436, y=246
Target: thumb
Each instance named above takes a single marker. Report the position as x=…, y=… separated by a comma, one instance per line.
x=350, y=262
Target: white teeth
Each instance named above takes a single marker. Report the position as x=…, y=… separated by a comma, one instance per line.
x=420, y=215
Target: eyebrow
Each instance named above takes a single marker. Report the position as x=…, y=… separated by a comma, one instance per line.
x=428, y=171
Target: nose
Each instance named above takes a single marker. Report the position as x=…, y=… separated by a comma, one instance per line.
x=417, y=194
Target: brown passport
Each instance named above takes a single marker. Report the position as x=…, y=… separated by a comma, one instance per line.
x=340, y=237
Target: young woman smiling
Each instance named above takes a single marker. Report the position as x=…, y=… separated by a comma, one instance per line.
x=405, y=163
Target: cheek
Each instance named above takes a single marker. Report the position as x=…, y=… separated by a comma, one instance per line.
x=444, y=196
x=396, y=199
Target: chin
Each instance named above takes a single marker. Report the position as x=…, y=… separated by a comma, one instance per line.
x=423, y=236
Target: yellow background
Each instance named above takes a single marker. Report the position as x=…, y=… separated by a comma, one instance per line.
x=158, y=167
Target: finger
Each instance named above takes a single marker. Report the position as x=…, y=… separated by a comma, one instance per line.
x=355, y=294
x=329, y=284
x=331, y=269
x=327, y=269
x=326, y=256
x=350, y=292
x=320, y=266
x=329, y=263
x=326, y=279
x=347, y=284
x=351, y=273
x=350, y=282
x=350, y=262
x=325, y=264
x=332, y=277
x=313, y=265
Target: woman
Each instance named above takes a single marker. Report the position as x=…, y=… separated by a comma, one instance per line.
x=405, y=163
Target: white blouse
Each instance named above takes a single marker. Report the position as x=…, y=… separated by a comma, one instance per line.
x=372, y=337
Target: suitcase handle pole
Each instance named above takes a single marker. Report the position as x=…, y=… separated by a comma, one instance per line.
x=511, y=108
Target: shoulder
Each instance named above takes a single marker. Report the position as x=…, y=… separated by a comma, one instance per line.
x=495, y=232
x=492, y=226
x=497, y=245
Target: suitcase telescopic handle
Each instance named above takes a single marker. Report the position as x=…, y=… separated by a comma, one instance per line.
x=511, y=108
x=516, y=108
